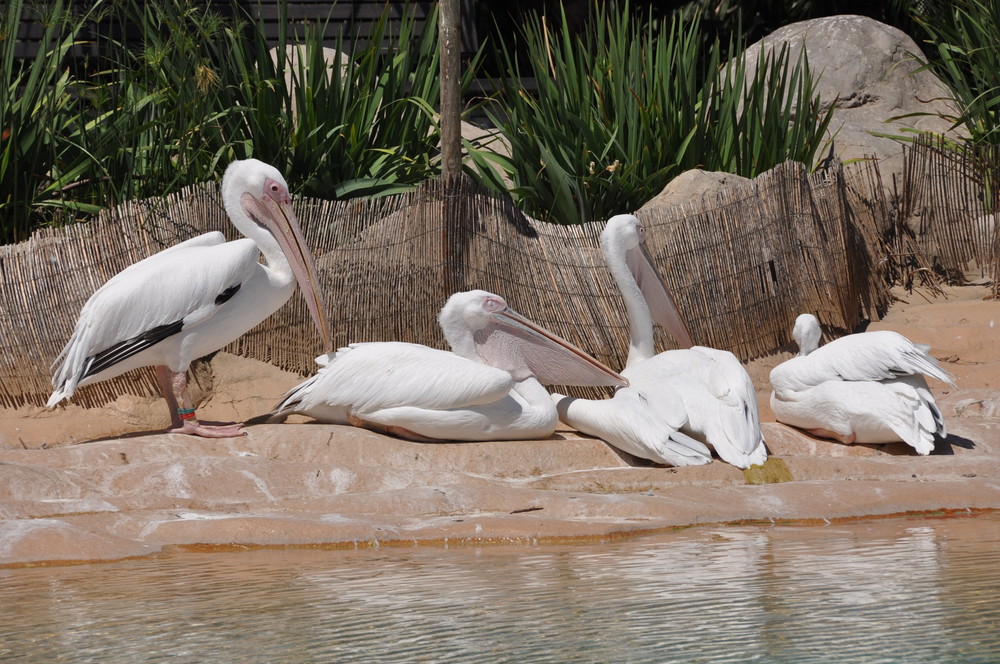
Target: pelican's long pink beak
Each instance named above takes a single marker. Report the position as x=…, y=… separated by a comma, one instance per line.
x=661, y=305
x=284, y=225
x=516, y=344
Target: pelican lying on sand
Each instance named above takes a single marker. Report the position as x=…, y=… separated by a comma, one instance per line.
x=861, y=388
x=195, y=297
x=488, y=388
x=687, y=397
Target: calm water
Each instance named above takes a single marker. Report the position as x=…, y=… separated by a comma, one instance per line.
x=911, y=590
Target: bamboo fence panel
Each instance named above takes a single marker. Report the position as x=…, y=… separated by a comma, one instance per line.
x=763, y=253
x=949, y=206
x=741, y=265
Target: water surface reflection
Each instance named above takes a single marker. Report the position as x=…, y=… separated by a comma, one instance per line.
x=909, y=590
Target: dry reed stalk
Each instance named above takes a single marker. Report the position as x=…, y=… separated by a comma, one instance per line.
x=741, y=266
x=946, y=208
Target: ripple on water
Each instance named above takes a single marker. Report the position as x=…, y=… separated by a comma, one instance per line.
x=903, y=590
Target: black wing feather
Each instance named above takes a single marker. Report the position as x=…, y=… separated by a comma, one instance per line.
x=227, y=294
x=126, y=349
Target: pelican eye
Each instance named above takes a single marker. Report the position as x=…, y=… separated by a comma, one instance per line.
x=493, y=304
x=275, y=190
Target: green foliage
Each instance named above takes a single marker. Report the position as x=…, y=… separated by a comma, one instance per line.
x=366, y=127
x=190, y=90
x=766, y=116
x=38, y=124
x=963, y=44
x=359, y=129
x=623, y=108
x=619, y=109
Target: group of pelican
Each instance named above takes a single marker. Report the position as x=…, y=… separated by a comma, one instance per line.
x=674, y=407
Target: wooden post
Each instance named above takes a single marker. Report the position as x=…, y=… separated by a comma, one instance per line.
x=451, y=93
x=454, y=229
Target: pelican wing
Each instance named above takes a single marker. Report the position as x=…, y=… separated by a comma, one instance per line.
x=631, y=423
x=872, y=411
x=151, y=300
x=869, y=356
x=919, y=420
x=737, y=398
x=204, y=240
x=718, y=396
x=367, y=377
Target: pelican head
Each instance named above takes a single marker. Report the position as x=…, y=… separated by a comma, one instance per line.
x=623, y=243
x=807, y=333
x=622, y=233
x=479, y=325
x=259, y=204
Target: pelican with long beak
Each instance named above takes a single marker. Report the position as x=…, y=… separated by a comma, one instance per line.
x=194, y=298
x=490, y=387
x=860, y=388
x=697, y=395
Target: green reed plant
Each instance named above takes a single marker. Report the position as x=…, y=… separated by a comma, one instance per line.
x=363, y=126
x=39, y=121
x=963, y=44
x=154, y=106
x=622, y=109
x=179, y=90
x=767, y=115
x=362, y=129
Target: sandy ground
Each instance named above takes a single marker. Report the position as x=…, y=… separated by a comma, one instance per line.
x=80, y=485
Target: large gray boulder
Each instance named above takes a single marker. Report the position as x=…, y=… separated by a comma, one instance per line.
x=693, y=186
x=869, y=72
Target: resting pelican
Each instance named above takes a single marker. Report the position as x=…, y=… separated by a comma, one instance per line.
x=488, y=388
x=634, y=424
x=861, y=388
x=701, y=392
x=195, y=297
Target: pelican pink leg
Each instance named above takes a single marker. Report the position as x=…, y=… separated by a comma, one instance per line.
x=173, y=385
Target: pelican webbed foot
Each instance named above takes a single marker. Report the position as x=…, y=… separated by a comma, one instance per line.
x=193, y=427
x=173, y=385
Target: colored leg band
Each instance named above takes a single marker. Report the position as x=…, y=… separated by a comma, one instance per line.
x=186, y=413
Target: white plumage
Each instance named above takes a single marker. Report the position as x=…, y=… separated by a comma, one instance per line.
x=488, y=388
x=864, y=388
x=633, y=424
x=195, y=297
x=696, y=394
x=717, y=395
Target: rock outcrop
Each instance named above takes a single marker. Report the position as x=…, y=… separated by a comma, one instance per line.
x=870, y=72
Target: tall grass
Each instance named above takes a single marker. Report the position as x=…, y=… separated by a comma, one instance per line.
x=39, y=125
x=361, y=129
x=622, y=109
x=153, y=104
x=963, y=46
x=181, y=90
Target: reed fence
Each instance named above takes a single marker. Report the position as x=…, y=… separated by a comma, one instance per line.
x=742, y=266
x=948, y=208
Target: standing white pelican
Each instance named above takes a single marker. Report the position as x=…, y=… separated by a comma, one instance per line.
x=861, y=388
x=702, y=392
x=195, y=297
x=488, y=388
